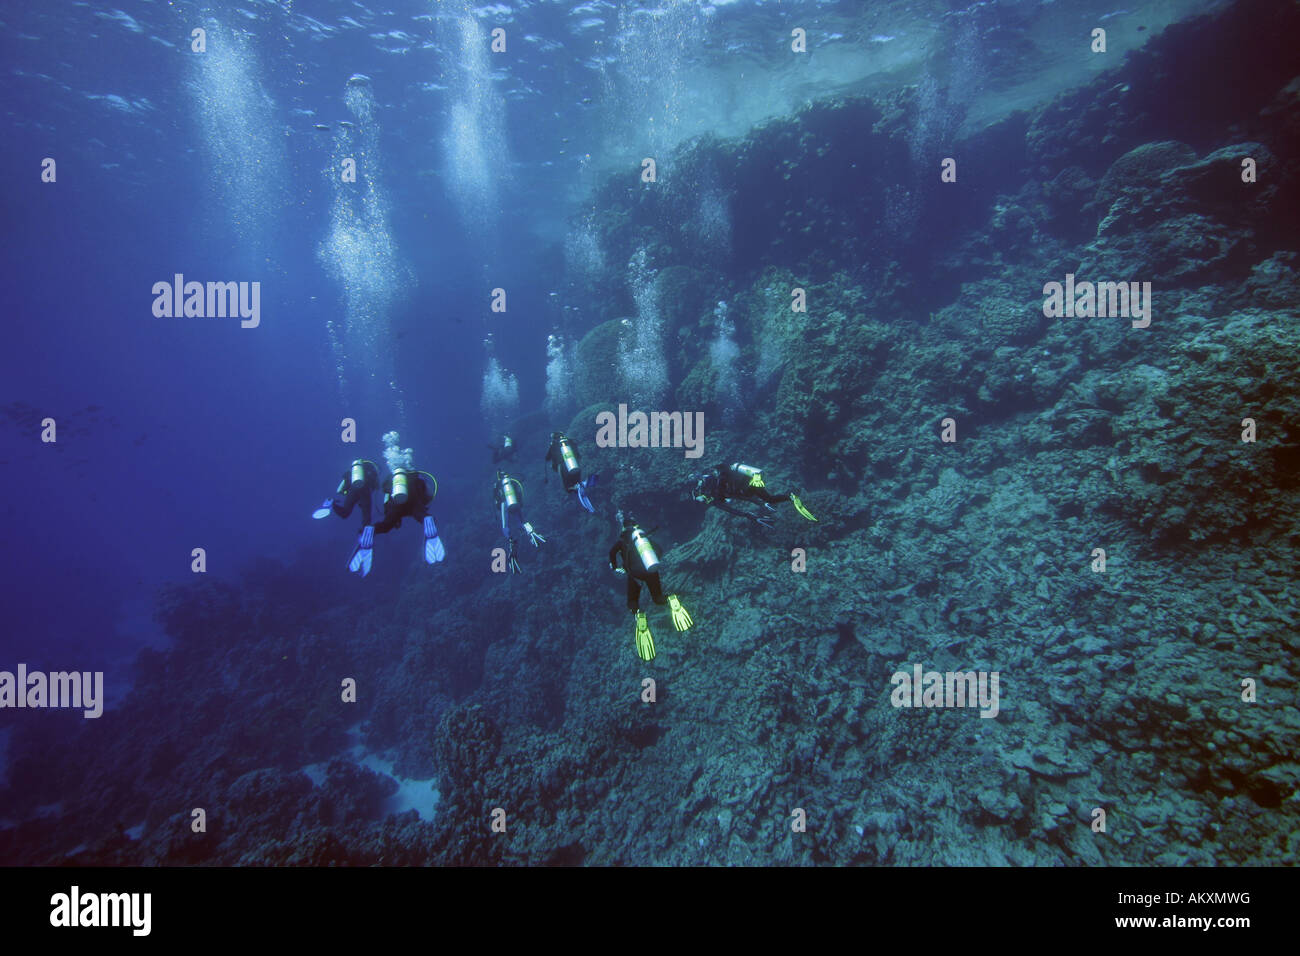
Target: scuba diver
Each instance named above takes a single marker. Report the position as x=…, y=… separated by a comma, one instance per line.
x=563, y=457
x=504, y=451
x=743, y=482
x=406, y=495
x=356, y=488
x=640, y=564
x=509, y=494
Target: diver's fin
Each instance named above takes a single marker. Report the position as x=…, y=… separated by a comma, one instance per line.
x=361, y=559
x=581, y=489
x=364, y=552
x=433, y=549
x=681, y=617
x=645, y=644
x=798, y=506
x=324, y=510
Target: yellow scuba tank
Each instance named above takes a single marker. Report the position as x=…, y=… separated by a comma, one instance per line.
x=398, y=496
x=644, y=549
x=358, y=475
x=754, y=475
x=569, y=455
x=508, y=493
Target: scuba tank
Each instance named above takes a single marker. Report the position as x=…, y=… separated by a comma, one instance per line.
x=754, y=475
x=569, y=455
x=644, y=549
x=358, y=475
x=508, y=493
x=398, y=495
x=507, y=442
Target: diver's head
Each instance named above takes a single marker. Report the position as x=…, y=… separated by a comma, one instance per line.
x=626, y=519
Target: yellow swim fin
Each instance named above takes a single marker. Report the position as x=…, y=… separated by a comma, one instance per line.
x=645, y=644
x=798, y=506
x=681, y=617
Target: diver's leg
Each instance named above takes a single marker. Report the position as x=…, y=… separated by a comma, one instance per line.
x=344, y=503
x=656, y=588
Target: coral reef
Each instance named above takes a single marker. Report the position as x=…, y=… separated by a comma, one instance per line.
x=1121, y=689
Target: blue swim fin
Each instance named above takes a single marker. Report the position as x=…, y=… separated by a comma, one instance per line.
x=581, y=488
x=433, y=549
x=363, y=554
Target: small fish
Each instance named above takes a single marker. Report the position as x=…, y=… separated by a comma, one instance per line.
x=321, y=126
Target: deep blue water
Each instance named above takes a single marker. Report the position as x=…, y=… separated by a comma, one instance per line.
x=477, y=171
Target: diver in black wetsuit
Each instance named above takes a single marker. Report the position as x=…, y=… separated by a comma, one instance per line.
x=357, y=487
x=508, y=493
x=406, y=495
x=640, y=564
x=504, y=451
x=562, y=456
x=745, y=483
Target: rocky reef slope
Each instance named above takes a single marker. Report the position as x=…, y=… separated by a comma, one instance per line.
x=1120, y=690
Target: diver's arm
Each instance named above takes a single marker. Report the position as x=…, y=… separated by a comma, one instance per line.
x=740, y=512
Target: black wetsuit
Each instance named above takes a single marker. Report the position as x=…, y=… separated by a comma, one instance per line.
x=346, y=497
x=502, y=452
x=726, y=484
x=515, y=510
x=555, y=457
x=415, y=506
x=625, y=550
